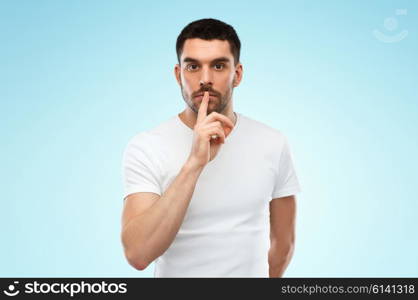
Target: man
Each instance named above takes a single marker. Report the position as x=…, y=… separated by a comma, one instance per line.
x=209, y=192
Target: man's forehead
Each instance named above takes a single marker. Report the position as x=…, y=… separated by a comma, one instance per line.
x=206, y=50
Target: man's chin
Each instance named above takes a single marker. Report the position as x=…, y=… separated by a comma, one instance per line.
x=210, y=108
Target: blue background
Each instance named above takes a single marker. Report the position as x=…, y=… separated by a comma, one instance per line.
x=79, y=78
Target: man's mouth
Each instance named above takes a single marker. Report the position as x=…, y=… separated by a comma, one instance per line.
x=200, y=96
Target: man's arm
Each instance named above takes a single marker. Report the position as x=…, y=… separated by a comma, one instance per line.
x=282, y=234
x=150, y=223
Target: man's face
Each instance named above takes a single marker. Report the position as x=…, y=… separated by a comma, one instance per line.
x=207, y=66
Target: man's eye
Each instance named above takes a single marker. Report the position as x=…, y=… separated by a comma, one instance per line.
x=192, y=67
x=219, y=66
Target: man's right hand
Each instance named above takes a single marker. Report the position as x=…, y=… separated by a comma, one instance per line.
x=204, y=148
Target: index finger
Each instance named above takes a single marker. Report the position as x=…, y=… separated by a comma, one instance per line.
x=203, y=109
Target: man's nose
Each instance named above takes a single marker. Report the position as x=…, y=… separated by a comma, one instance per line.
x=206, y=77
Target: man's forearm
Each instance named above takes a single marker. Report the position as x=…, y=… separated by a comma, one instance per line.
x=278, y=260
x=150, y=234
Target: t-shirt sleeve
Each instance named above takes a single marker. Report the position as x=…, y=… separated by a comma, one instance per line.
x=140, y=173
x=286, y=181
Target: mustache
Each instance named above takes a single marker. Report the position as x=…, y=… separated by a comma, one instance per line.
x=209, y=89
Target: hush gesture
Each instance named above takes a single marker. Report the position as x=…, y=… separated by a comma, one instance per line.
x=205, y=145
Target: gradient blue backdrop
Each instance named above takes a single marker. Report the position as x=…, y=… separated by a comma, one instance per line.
x=79, y=78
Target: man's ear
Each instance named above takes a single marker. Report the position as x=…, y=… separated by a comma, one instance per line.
x=177, y=71
x=238, y=74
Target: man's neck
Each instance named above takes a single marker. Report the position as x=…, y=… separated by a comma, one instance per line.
x=189, y=117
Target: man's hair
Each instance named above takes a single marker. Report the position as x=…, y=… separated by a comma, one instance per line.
x=209, y=29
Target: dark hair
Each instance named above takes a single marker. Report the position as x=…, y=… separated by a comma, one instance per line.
x=209, y=29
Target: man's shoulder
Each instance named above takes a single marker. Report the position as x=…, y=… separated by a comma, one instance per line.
x=258, y=128
x=153, y=134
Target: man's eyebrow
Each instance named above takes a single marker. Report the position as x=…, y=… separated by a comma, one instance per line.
x=219, y=59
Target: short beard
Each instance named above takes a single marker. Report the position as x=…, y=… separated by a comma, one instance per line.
x=224, y=100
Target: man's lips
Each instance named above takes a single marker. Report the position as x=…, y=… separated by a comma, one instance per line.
x=200, y=96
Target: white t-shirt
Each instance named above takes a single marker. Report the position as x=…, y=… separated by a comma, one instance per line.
x=225, y=232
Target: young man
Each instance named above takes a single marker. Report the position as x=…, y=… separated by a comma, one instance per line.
x=209, y=192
